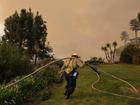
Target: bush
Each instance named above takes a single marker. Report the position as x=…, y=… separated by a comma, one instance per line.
x=26, y=87
x=46, y=94
x=95, y=61
x=39, y=84
x=9, y=96
x=50, y=76
x=24, y=90
x=13, y=62
x=130, y=55
x=31, y=85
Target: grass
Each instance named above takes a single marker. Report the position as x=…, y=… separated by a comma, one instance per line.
x=84, y=95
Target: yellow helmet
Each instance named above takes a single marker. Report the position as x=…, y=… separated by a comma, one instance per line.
x=75, y=55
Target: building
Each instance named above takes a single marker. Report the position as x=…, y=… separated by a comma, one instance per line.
x=133, y=41
x=121, y=48
x=118, y=53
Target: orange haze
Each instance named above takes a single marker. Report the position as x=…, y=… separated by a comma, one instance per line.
x=81, y=26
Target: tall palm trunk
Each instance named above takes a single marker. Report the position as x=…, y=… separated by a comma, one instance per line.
x=107, y=57
x=114, y=52
x=111, y=55
x=136, y=36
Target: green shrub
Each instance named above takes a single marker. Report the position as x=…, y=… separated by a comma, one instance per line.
x=130, y=55
x=95, y=61
x=46, y=94
x=13, y=62
x=26, y=87
x=39, y=84
x=9, y=96
x=49, y=76
x=30, y=86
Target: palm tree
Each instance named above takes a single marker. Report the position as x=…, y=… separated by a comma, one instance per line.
x=138, y=16
x=106, y=52
x=108, y=45
x=114, y=45
x=124, y=36
x=110, y=53
x=135, y=26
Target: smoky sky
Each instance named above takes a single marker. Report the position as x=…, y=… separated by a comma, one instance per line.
x=81, y=26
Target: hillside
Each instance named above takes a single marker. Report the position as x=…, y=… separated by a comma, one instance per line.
x=85, y=95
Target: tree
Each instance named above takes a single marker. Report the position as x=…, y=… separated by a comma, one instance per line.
x=114, y=44
x=95, y=60
x=135, y=26
x=124, y=37
x=109, y=52
x=106, y=53
x=130, y=55
x=29, y=32
x=138, y=17
x=13, y=62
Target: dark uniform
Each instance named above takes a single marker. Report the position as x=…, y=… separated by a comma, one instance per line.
x=71, y=75
x=71, y=82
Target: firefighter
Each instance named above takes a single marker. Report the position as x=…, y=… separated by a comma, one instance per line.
x=70, y=72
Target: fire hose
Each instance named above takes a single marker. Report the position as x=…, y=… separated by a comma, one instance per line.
x=93, y=84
